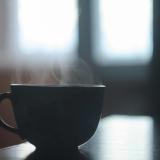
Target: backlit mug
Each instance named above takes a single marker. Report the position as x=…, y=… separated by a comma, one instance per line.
x=55, y=115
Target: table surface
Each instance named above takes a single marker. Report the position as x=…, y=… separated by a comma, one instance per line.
x=117, y=138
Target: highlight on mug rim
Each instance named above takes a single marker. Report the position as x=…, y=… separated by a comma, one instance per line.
x=59, y=85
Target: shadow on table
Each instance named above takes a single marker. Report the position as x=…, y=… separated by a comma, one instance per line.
x=36, y=155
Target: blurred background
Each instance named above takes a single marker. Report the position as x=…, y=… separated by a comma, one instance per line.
x=118, y=39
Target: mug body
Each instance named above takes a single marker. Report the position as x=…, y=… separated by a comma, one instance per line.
x=57, y=114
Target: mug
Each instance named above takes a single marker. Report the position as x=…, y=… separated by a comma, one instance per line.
x=55, y=115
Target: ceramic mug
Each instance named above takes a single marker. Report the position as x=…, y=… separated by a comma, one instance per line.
x=55, y=115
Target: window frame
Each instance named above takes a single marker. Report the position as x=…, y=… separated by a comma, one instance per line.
x=115, y=73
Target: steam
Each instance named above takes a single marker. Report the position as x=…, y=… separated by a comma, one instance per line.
x=43, y=70
x=77, y=72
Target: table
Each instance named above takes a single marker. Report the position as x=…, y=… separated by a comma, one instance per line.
x=116, y=138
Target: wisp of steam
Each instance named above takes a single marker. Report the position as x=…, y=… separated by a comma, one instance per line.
x=43, y=70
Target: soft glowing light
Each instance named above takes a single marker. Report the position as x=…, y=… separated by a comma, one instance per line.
x=124, y=32
x=48, y=25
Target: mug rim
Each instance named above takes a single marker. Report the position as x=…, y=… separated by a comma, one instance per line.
x=57, y=85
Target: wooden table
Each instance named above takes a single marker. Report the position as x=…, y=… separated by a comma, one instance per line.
x=117, y=138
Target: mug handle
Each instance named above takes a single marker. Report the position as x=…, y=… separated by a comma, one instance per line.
x=3, y=124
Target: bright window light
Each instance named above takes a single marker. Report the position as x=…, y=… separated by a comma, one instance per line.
x=123, y=32
x=48, y=25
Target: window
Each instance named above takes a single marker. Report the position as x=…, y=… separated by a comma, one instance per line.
x=108, y=32
x=123, y=32
x=48, y=25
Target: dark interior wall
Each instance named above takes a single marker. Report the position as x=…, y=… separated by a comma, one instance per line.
x=155, y=77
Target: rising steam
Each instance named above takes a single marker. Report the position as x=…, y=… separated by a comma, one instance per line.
x=43, y=70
